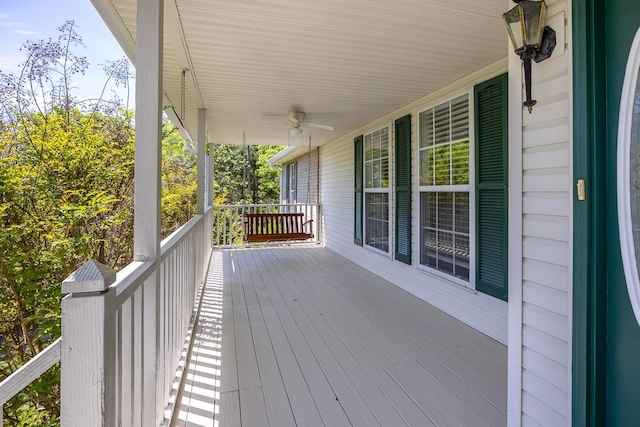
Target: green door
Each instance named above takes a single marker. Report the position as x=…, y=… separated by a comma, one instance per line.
x=606, y=333
x=623, y=331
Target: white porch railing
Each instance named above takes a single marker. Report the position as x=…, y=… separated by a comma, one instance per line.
x=28, y=373
x=123, y=335
x=228, y=220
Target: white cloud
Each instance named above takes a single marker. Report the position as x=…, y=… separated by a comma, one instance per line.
x=10, y=63
x=25, y=32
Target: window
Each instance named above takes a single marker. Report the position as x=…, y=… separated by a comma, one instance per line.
x=376, y=189
x=463, y=204
x=462, y=182
x=445, y=187
x=291, y=183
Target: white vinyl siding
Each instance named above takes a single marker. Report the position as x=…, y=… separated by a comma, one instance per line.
x=481, y=311
x=545, y=303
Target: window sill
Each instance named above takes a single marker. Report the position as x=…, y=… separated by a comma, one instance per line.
x=377, y=251
x=467, y=286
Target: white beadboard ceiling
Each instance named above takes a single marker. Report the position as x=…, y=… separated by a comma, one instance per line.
x=344, y=63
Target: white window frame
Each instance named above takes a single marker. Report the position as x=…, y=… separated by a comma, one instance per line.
x=387, y=190
x=470, y=188
x=292, y=184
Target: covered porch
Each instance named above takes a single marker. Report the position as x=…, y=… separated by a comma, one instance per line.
x=299, y=335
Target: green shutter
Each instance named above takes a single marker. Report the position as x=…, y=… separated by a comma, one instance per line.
x=491, y=116
x=358, y=190
x=403, y=189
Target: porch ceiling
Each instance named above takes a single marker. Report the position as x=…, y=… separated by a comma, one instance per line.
x=342, y=62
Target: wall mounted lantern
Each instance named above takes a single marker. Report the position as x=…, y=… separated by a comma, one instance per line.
x=530, y=37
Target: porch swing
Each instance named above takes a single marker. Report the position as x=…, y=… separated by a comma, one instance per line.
x=278, y=226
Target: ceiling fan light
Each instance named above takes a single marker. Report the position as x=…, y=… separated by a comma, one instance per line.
x=296, y=131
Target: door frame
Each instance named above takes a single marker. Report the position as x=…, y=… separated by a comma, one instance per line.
x=590, y=216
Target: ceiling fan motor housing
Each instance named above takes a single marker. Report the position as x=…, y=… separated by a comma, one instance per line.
x=296, y=118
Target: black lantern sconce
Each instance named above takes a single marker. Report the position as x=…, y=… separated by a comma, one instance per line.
x=530, y=37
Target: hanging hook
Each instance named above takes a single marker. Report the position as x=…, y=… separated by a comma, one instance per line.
x=183, y=85
x=309, y=172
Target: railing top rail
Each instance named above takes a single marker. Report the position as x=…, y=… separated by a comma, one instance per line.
x=265, y=205
x=173, y=240
x=267, y=215
x=30, y=371
x=130, y=278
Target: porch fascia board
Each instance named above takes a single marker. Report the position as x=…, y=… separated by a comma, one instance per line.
x=120, y=32
x=286, y=154
x=126, y=41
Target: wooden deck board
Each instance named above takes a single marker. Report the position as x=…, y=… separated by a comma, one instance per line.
x=397, y=308
x=334, y=335
x=311, y=339
x=304, y=408
x=229, y=369
x=324, y=397
x=464, y=343
x=275, y=395
x=358, y=412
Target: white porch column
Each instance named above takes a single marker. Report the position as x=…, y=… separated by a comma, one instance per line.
x=148, y=152
x=210, y=170
x=148, y=157
x=201, y=161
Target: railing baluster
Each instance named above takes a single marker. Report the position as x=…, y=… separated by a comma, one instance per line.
x=126, y=362
x=136, y=350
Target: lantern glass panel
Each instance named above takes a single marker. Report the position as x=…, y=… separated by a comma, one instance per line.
x=514, y=25
x=534, y=17
x=525, y=23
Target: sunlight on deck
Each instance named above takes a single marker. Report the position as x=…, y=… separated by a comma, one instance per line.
x=312, y=339
x=199, y=401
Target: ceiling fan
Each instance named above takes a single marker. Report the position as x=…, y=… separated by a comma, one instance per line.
x=297, y=120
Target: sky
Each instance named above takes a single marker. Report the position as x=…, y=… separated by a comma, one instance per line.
x=22, y=20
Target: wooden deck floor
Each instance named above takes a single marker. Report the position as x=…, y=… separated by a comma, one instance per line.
x=303, y=337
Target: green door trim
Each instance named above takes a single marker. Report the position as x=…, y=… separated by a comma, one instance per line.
x=589, y=217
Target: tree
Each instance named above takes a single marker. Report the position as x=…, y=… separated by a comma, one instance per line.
x=179, y=181
x=269, y=187
x=66, y=195
x=243, y=175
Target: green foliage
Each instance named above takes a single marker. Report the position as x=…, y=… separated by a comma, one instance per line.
x=66, y=192
x=66, y=195
x=446, y=164
x=179, y=181
x=242, y=174
x=230, y=163
x=269, y=186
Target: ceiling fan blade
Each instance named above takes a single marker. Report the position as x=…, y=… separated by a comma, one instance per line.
x=316, y=125
x=282, y=124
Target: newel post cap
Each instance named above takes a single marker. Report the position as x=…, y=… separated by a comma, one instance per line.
x=90, y=277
